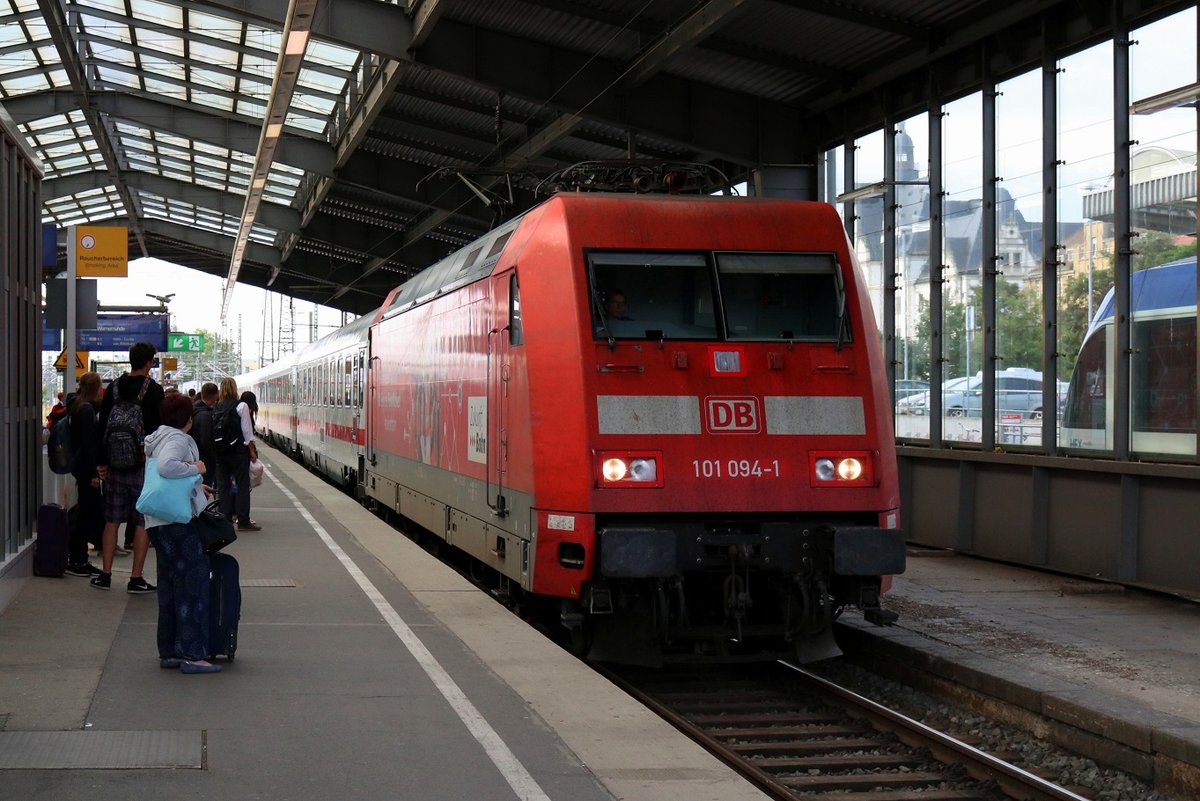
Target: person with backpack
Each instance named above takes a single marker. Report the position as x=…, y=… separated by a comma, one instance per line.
x=89, y=512
x=129, y=411
x=202, y=429
x=57, y=411
x=233, y=436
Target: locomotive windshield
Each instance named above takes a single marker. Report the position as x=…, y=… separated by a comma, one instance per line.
x=792, y=296
x=780, y=295
x=652, y=296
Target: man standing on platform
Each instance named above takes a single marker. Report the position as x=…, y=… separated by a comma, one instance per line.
x=129, y=412
x=202, y=430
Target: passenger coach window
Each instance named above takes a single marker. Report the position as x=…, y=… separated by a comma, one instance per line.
x=781, y=295
x=651, y=296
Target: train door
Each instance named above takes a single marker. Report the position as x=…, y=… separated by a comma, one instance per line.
x=503, y=296
x=371, y=382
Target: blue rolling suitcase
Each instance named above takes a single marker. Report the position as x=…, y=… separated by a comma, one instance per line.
x=50, y=549
x=224, y=606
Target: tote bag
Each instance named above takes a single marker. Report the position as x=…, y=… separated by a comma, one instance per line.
x=168, y=499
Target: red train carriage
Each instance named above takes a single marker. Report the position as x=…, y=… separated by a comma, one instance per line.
x=709, y=471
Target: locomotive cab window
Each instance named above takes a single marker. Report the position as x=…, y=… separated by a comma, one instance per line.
x=782, y=296
x=651, y=296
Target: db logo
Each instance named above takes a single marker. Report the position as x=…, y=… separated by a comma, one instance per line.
x=732, y=415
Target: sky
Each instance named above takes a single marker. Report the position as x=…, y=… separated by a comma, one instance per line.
x=197, y=305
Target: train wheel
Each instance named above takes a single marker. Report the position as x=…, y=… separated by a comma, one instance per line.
x=579, y=639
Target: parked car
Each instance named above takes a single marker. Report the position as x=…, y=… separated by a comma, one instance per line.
x=1018, y=391
x=918, y=401
x=906, y=387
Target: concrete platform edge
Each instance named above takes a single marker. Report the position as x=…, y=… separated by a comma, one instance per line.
x=1162, y=750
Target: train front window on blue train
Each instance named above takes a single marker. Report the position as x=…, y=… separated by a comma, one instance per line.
x=793, y=296
x=651, y=295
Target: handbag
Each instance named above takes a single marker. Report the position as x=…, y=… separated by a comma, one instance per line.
x=215, y=529
x=256, y=474
x=168, y=499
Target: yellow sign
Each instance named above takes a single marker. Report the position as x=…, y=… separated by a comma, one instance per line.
x=170, y=364
x=101, y=251
x=81, y=362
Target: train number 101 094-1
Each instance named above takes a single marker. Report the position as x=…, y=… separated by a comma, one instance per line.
x=735, y=468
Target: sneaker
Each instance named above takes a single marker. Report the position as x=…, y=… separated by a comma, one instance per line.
x=199, y=667
x=119, y=551
x=249, y=525
x=139, y=586
x=86, y=569
x=102, y=581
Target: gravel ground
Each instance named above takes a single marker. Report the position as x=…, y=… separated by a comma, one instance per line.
x=1067, y=769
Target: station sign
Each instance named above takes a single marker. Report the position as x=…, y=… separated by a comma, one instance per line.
x=185, y=343
x=114, y=332
x=122, y=331
x=100, y=251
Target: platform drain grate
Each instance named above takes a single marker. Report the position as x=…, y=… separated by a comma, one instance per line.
x=100, y=750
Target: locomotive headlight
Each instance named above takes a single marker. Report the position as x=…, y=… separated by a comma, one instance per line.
x=643, y=470
x=625, y=469
x=614, y=469
x=839, y=469
x=849, y=469
x=825, y=470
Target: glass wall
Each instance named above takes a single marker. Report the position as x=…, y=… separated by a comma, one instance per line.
x=912, y=277
x=1163, y=214
x=868, y=211
x=962, y=255
x=1019, y=248
x=1085, y=217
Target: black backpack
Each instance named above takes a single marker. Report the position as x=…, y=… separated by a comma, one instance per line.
x=58, y=447
x=227, y=427
x=124, y=432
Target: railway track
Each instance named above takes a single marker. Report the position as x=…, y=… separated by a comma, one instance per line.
x=796, y=735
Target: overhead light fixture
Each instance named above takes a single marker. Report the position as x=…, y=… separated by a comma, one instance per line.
x=874, y=190
x=1183, y=96
x=296, y=42
x=258, y=183
x=870, y=190
x=274, y=130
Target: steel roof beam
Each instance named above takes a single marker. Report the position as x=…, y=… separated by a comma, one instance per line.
x=649, y=29
x=60, y=31
x=720, y=123
x=653, y=58
x=370, y=25
x=186, y=120
x=859, y=15
x=211, y=240
x=273, y=215
x=223, y=44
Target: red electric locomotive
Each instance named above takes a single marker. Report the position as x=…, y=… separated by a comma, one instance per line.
x=666, y=415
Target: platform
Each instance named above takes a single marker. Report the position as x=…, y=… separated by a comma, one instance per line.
x=1108, y=672
x=366, y=669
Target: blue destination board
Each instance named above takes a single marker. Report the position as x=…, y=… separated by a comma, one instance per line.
x=116, y=332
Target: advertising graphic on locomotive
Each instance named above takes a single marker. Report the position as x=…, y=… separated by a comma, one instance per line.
x=665, y=418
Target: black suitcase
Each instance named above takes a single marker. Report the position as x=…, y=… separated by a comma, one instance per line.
x=224, y=606
x=50, y=550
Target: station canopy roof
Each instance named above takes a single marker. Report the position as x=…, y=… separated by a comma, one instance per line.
x=331, y=149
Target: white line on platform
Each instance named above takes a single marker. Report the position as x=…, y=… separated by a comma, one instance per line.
x=518, y=778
